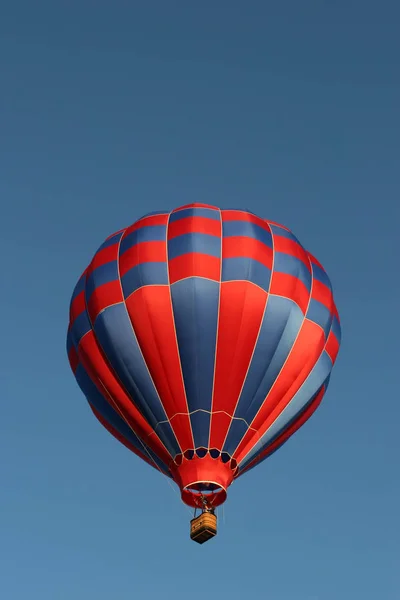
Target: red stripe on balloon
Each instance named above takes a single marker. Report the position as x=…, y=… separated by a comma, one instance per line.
x=291, y=247
x=289, y=286
x=103, y=296
x=194, y=224
x=73, y=359
x=242, y=307
x=146, y=222
x=195, y=205
x=103, y=256
x=150, y=311
x=241, y=246
x=242, y=215
x=194, y=265
x=78, y=305
x=315, y=261
x=322, y=293
x=332, y=346
x=143, y=252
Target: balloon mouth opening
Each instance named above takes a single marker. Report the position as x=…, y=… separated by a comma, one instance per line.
x=203, y=478
x=204, y=493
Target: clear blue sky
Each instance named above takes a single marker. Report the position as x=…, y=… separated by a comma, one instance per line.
x=111, y=109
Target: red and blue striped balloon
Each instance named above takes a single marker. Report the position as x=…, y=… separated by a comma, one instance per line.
x=203, y=339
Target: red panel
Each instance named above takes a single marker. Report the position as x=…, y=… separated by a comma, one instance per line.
x=220, y=423
x=194, y=225
x=150, y=311
x=146, y=222
x=194, y=265
x=242, y=215
x=103, y=377
x=315, y=261
x=322, y=293
x=142, y=253
x=287, y=246
x=73, y=359
x=195, y=205
x=238, y=246
x=290, y=287
x=289, y=432
x=332, y=346
x=108, y=293
x=103, y=296
x=107, y=254
x=78, y=305
x=242, y=308
x=305, y=353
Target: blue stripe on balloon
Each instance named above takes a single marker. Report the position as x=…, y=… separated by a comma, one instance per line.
x=148, y=233
x=279, y=329
x=276, y=230
x=80, y=286
x=247, y=229
x=200, y=422
x=202, y=243
x=327, y=380
x=149, y=273
x=117, y=338
x=208, y=213
x=291, y=265
x=114, y=239
x=237, y=430
x=70, y=342
x=96, y=399
x=297, y=404
x=101, y=275
x=154, y=213
x=246, y=269
x=321, y=276
x=195, y=303
x=80, y=327
x=320, y=314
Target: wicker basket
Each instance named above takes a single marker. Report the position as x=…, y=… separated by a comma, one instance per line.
x=203, y=527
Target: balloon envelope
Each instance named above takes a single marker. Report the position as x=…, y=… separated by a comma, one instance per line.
x=202, y=340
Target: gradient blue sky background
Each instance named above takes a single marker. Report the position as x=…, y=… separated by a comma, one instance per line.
x=111, y=109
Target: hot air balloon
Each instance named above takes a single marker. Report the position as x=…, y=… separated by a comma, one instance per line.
x=203, y=339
